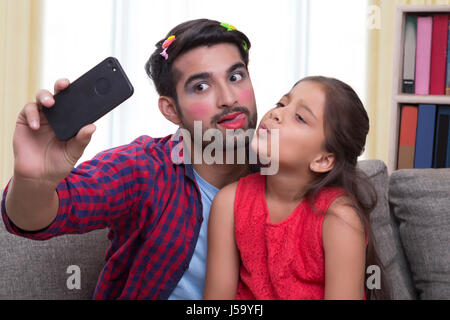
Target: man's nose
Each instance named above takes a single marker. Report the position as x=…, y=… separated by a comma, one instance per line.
x=226, y=96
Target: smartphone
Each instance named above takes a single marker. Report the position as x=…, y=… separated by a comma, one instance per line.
x=88, y=98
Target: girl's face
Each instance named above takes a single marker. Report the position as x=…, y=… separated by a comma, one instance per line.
x=299, y=118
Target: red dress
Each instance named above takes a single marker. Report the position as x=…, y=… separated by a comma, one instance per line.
x=282, y=260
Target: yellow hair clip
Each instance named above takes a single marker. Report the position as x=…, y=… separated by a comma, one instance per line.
x=227, y=26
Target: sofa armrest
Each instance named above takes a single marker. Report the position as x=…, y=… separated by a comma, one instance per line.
x=385, y=231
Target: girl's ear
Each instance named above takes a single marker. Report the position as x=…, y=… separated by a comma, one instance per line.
x=323, y=163
x=168, y=109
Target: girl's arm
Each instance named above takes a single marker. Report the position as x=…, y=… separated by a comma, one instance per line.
x=222, y=268
x=345, y=251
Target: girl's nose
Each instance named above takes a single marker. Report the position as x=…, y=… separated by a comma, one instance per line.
x=276, y=114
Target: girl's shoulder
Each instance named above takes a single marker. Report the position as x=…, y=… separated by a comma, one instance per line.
x=252, y=178
x=227, y=193
x=327, y=195
x=343, y=209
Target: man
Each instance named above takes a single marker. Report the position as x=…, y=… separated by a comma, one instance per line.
x=156, y=209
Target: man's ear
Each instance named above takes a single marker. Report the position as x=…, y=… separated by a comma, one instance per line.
x=168, y=108
x=323, y=163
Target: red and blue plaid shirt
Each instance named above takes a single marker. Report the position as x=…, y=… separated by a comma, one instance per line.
x=151, y=205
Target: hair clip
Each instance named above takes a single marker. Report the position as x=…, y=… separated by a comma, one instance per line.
x=230, y=27
x=166, y=45
x=244, y=44
x=227, y=26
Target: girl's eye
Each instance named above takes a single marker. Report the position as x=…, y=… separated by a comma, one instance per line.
x=279, y=105
x=201, y=87
x=299, y=117
x=236, y=77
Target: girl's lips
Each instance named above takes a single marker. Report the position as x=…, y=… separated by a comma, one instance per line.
x=233, y=121
x=263, y=127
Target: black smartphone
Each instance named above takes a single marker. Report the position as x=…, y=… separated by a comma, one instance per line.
x=88, y=98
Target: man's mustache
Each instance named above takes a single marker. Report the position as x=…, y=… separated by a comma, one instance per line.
x=229, y=111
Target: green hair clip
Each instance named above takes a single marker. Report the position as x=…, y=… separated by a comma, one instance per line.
x=244, y=44
x=230, y=27
x=227, y=26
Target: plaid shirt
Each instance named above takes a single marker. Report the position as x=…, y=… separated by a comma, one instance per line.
x=151, y=205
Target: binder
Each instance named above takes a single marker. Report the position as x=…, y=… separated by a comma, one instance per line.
x=442, y=141
x=407, y=141
x=448, y=61
x=439, y=54
x=423, y=55
x=409, y=59
x=426, y=120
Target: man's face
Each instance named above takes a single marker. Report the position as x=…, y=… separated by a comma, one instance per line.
x=213, y=86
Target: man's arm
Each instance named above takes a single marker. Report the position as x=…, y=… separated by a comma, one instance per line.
x=222, y=270
x=40, y=163
x=345, y=250
x=31, y=206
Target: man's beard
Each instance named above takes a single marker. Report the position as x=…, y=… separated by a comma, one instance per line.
x=231, y=141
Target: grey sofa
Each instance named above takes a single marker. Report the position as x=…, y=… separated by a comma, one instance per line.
x=411, y=224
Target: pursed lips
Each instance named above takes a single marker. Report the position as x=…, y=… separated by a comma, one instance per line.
x=263, y=127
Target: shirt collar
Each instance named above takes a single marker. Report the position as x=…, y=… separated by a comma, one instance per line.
x=179, y=155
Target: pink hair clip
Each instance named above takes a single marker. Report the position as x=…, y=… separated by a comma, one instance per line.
x=166, y=45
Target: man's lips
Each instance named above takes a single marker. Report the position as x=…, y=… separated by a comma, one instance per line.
x=234, y=120
x=229, y=116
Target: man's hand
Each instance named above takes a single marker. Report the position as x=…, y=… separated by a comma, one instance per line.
x=41, y=161
x=38, y=154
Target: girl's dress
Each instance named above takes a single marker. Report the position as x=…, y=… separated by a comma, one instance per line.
x=282, y=260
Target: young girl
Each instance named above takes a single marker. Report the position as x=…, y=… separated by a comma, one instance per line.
x=304, y=232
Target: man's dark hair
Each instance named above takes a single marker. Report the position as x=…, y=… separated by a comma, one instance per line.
x=189, y=35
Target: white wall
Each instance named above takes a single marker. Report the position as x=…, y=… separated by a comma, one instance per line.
x=290, y=39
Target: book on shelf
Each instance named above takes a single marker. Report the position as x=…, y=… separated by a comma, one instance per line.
x=442, y=140
x=448, y=61
x=426, y=54
x=421, y=89
x=439, y=54
x=424, y=137
x=409, y=61
x=407, y=141
x=426, y=120
x=423, y=55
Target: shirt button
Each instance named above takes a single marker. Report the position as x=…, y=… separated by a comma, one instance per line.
x=185, y=267
x=200, y=219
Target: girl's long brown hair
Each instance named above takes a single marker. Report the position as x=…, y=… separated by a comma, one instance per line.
x=346, y=125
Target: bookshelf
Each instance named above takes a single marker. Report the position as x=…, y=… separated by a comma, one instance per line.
x=398, y=97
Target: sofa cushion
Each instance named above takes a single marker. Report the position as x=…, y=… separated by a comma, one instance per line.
x=420, y=200
x=387, y=240
x=39, y=269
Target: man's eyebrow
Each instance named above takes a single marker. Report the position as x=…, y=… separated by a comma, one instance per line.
x=207, y=75
x=236, y=66
x=198, y=76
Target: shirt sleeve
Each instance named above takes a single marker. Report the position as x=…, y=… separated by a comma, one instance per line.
x=94, y=195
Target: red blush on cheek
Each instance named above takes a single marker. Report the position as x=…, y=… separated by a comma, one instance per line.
x=246, y=97
x=198, y=111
